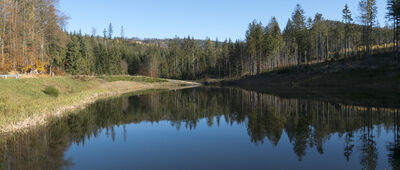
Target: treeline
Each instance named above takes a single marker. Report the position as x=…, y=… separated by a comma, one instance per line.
x=303, y=41
x=309, y=40
x=32, y=39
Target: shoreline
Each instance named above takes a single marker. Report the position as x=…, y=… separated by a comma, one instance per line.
x=372, y=80
x=100, y=90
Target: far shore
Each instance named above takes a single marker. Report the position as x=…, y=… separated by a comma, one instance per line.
x=368, y=81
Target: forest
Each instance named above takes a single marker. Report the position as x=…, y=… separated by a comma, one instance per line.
x=33, y=39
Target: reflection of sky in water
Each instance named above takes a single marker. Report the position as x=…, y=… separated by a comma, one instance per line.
x=161, y=146
x=247, y=130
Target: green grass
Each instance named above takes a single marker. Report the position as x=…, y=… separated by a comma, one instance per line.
x=24, y=99
x=51, y=91
x=3, y=104
x=21, y=98
x=132, y=78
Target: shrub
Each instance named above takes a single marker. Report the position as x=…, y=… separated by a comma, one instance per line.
x=51, y=91
x=83, y=77
x=3, y=104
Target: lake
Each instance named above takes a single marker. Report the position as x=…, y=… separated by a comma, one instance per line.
x=211, y=128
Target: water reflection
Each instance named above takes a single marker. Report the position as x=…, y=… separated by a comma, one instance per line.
x=308, y=124
x=394, y=147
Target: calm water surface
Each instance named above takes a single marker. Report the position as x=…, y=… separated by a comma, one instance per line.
x=211, y=128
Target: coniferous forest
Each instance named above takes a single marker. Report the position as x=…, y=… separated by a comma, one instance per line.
x=33, y=38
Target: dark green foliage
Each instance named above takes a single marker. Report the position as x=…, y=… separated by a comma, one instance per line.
x=93, y=55
x=51, y=91
x=101, y=64
x=74, y=56
x=393, y=7
x=369, y=11
x=133, y=67
x=114, y=60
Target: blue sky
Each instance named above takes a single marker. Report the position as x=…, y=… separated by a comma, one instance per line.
x=220, y=19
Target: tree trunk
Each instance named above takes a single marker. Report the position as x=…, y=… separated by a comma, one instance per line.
x=3, y=33
x=298, y=58
x=316, y=48
x=367, y=39
x=327, y=46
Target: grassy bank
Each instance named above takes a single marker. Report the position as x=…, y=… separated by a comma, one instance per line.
x=25, y=102
x=368, y=80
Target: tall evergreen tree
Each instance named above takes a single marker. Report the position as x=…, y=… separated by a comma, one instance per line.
x=102, y=64
x=74, y=56
x=110, y=31
x=348, y=19
x=105, y=33
x=115, y=59
x=393, y=7
x=122, y=32
x=259, y=39
x=275, y=42
x=368, y=10
x=251, y=41
x=300, y=29
x=85, y=55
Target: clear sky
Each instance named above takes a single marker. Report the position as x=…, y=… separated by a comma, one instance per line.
x=198, y=18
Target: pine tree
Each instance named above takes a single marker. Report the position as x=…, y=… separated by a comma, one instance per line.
x=210, y=58
x=85, y=55
x=347, y=18
x=275, y=42
x=110, y=31
x=122, y=32
x=105, y=33
x=259, y=38
x=225, y=58
x=115, y=58
x=368, y=18
x=253, y=41
x=102, y=63
x=393, y=14
x=74, y=56
x=300, y=30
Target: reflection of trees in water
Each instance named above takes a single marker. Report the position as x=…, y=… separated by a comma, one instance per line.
x=348, y=145
x=307, y=124
x=43, y=150
x=369, y=152
x=394, y=147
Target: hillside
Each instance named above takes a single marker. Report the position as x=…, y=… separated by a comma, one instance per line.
x=357, y=79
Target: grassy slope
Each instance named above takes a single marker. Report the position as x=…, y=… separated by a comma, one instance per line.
x=23, y=102
x=374, y=80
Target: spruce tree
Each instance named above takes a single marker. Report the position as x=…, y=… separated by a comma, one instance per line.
x=347, y=18
x=74, y=56
x=110, y=31
x=368, y=18
x=300, y=30
x=274, y=42
x=393, y=7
